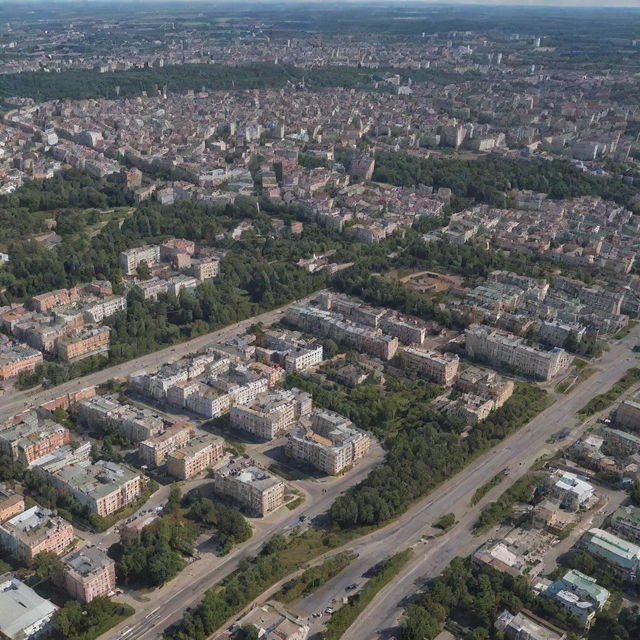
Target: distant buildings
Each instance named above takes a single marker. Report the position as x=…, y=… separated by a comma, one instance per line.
x=510, y=351
x=253, y=487
x=88, y=573
x=199, y=454
x=34, y=531
x=328, y=441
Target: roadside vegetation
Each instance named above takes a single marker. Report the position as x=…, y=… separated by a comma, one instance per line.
x=606, y=399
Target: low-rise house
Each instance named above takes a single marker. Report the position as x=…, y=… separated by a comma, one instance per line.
x=572, y=492
x=34, y=531
x=88, y=573
x=527, y=626
x=272, y=622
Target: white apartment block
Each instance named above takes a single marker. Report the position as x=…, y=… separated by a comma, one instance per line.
x=269, y=417
x=130, y=259
x=153, y=452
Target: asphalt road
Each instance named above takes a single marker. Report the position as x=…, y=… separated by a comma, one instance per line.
x=517, y=453
x=167, y=604
x=17, y=401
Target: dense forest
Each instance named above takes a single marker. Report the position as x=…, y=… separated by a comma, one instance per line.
x=24, y=211
x=488, y=180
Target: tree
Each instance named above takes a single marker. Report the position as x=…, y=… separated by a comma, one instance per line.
x=174, y=500
x=248, y=632
x=47, y=565
x=142, y=270
x=634, y=493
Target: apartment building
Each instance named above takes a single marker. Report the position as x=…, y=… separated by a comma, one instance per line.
x=154, y=452
x=83, y=342
x=626, y=521
x=332, y=325
x=621, y=442
x=88, y=573
x=328, y=441
x=510, y=351
x=292, y=352
x=33, y=437
x=269, y=416
x=97, y=311
x=596, y=298
x=555, y=333
x=199, y=454
x=627, y=415
x=34, y=531
x=108, y=414
x=486, y=384
x=129, y=260
x=16, y=358
x=251, y=486
x=11, y=504
x=579, y=594
x=205, y=268
x=623, y=556
x=45, y=301
x=441, y=368
x=408, y=332
x=104, y=487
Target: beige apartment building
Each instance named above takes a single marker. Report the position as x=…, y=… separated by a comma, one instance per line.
x=88, y=574
x=154, y=452
x=34, y=531
x=129, y=260
x=441, y=368
x=199, y=454
x=328, y=441
x=627, y=415
x=11, y=504
x=253, y=487
x=33, y=438
x=83, y=342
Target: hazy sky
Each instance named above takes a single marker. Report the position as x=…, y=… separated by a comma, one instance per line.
x=524, y=3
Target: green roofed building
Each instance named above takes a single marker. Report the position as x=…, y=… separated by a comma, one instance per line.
x=622, y=555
